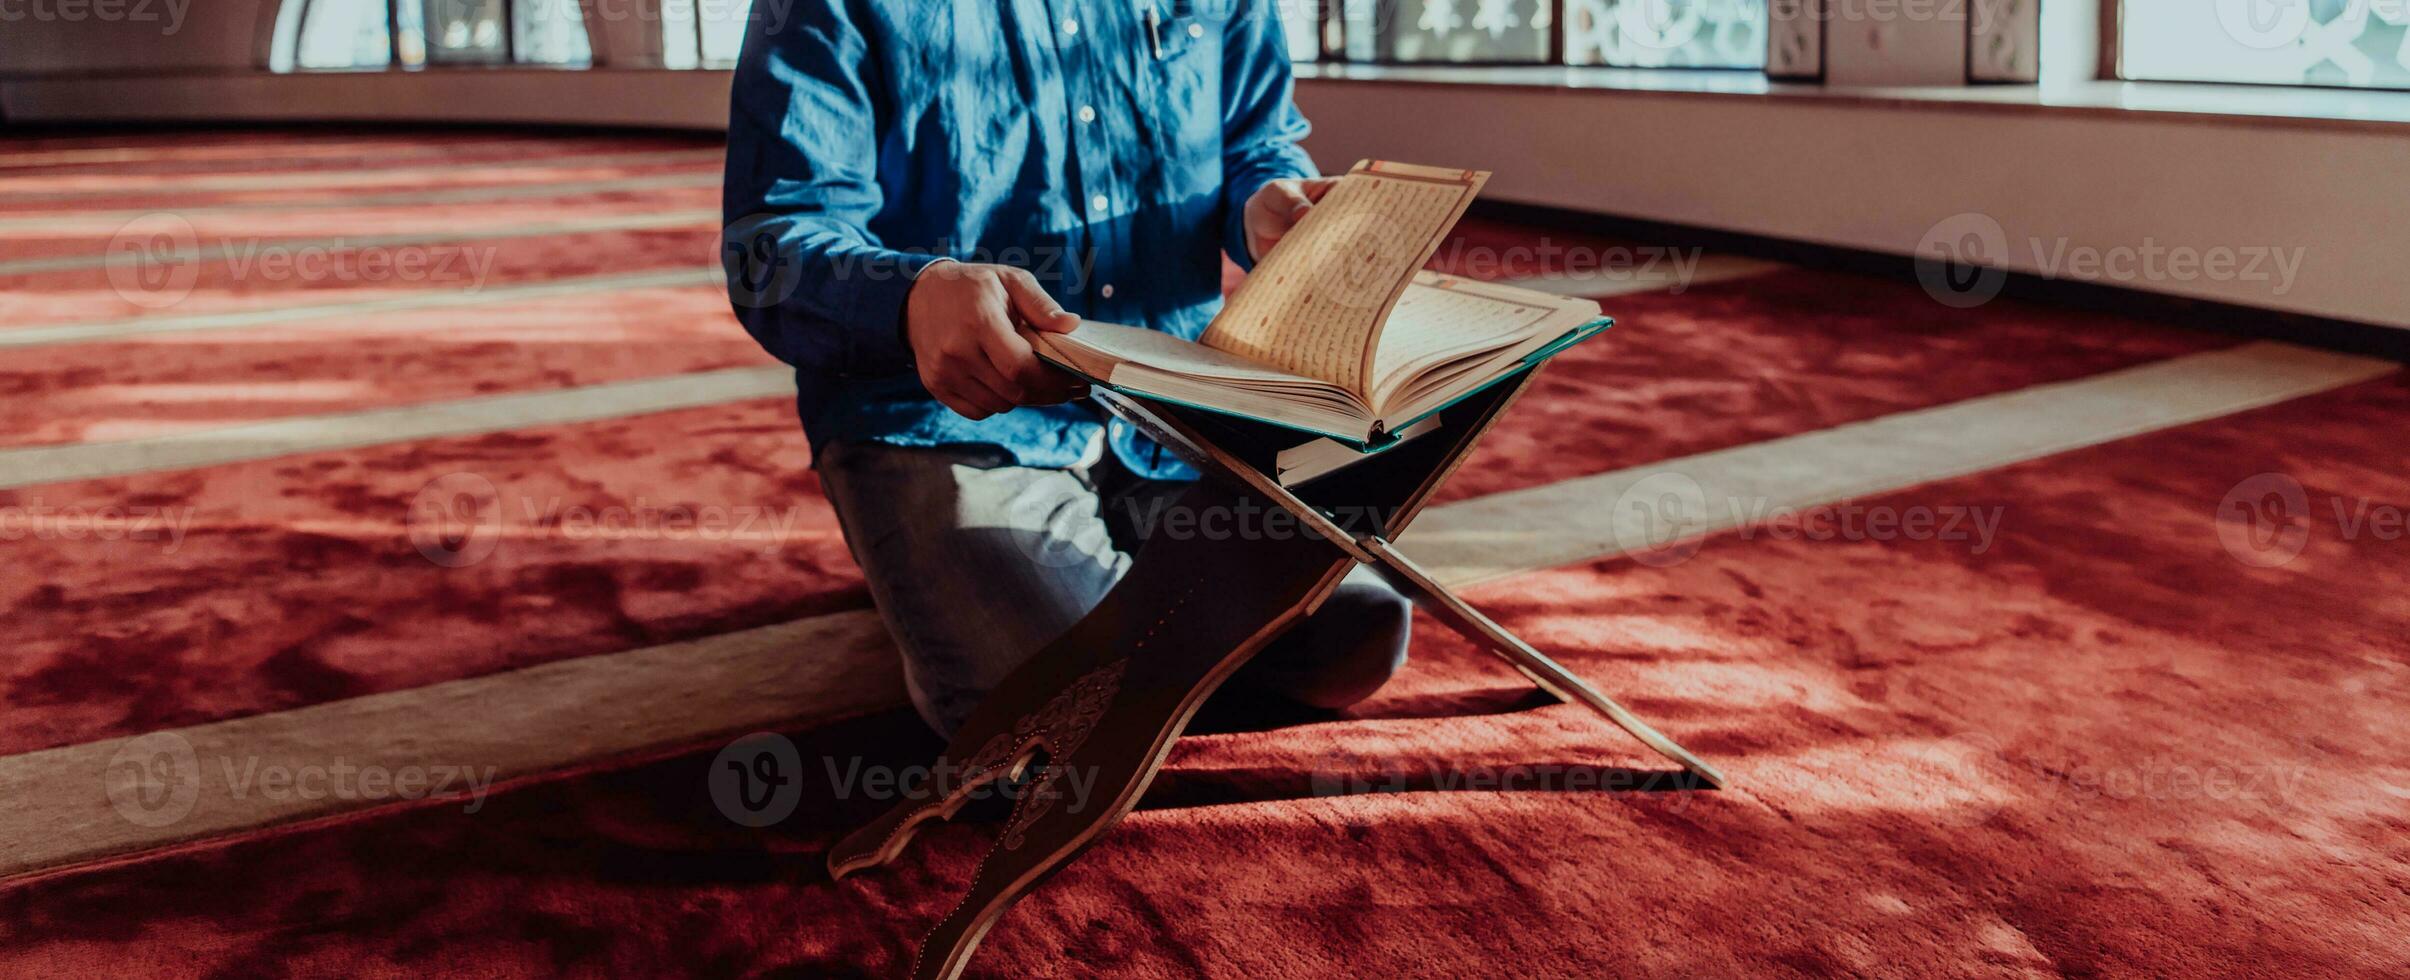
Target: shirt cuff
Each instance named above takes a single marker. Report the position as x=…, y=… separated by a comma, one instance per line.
x=1243, y=189
x=879, y=345
x=1234, y=233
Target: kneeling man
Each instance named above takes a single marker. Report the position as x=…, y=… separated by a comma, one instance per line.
x=910, y=184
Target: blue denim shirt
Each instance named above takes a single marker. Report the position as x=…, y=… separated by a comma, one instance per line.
x=1111, y=158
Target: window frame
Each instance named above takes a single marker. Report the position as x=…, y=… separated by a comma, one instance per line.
x=2113, y=66
x=1332, y=26
x=510, y=53
x=703, y=59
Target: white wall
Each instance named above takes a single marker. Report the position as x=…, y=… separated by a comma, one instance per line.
x=1879, y=175
x=1873, y=173
x=51, y=37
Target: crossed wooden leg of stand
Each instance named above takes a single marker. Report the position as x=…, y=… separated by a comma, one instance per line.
x=1111, y=695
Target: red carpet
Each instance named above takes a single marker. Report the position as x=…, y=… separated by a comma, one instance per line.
x=89, y=391
x=298, y=580
x=2040, y=758
x=1661, y=388
x=84, y=295
x=2099, y=745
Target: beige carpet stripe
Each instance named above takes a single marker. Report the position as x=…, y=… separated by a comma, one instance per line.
x=67, y=222
x=1613, y=513
x=56, y=806
x=33, y=465
x=56, y=809
x=222, y=250
x=336, y=316
x=350, y=177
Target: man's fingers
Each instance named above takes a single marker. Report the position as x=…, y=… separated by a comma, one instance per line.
x=950, y=390
x=1316, y=187
x=954, y=402
x=1013, y=360
x=1050, y=385
x=1289, y=200
x=973, y=399
x=975, y=371
x=969, y=367
x=964, y=328
x=1030, y=300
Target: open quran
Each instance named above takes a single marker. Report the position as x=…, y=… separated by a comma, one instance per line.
x=1340, y=331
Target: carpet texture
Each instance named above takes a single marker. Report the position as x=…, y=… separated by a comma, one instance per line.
x=2026, y=756
x=2139, y=709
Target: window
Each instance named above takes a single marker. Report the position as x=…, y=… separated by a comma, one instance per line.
x=551, y=32
x=1618, y=33
x=1466, y=31
x=1666, y=33
x=344, y=35
x=2352, y=43
x=702, y=33
x=338, y=34
x=465, y=32
x=1301, y=20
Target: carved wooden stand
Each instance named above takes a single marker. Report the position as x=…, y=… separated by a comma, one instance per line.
x=1115, y=690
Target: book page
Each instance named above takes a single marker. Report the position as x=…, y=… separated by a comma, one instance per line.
x=1316, y=305
x=1441, y=318
x=1119, y=345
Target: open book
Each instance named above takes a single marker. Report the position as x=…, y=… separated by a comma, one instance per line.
x=1339, y=331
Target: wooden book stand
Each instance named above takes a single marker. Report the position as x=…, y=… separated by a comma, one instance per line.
x=1115, y=690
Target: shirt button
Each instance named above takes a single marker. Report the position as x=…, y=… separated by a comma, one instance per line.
x=1106, y=292
x=1196, y=30
x=1099, y=203
x=1071, y=27
x=1087, y=113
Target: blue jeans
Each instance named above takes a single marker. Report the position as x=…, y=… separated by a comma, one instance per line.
x=976, y=563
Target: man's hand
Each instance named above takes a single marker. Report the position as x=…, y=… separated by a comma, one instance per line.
x=963, y=323
x=1278, y=206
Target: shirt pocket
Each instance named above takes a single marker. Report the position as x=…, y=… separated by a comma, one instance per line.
x=1191, y=32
